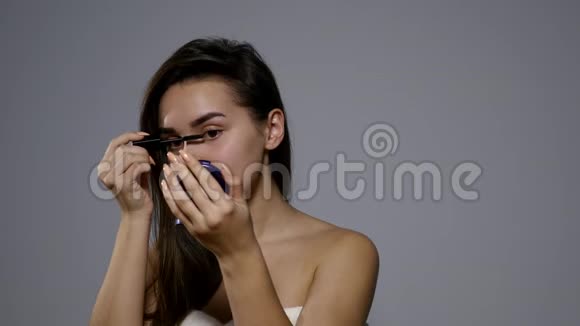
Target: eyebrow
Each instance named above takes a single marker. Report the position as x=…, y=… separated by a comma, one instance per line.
x=195, y=122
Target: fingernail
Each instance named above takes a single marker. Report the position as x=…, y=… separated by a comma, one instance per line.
x=143, y=133
x=166, y=169
x=184, y=155
x=171, y=157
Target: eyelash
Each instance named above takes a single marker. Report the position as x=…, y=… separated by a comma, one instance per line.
x=213, y=130
x=219, y=131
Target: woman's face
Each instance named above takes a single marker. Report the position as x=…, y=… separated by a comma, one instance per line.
x=198, y=106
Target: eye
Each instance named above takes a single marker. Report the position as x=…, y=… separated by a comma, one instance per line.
x=211, y=134
x=173, y=145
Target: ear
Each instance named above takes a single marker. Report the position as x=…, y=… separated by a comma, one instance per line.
x=274, y=132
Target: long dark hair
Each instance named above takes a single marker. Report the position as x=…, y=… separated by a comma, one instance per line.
x=188, y=274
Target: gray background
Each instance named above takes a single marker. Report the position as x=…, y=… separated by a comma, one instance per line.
x=495, y=82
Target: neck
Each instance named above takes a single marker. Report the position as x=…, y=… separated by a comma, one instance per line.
x=268, y=210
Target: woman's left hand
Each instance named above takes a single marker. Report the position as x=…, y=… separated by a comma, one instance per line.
x=220, y=221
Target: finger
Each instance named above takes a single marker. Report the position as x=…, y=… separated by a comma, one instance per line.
x=182, y=200
x=122, y=154
x=138, y=150
x=125, y=138
x=193, y=179
x=134, y=172
x=107, y=163
x=234, y=187
x=207, y=182
x=123, y=164
x=123, y=150
x=125, y=155
x=129, y=182
x=192, y=188
x=173, y=206
x=108, y=174
x=104, y=168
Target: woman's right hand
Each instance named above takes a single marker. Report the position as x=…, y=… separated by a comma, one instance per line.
x=124, y=170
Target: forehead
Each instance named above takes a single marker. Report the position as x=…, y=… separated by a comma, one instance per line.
x=188, y=100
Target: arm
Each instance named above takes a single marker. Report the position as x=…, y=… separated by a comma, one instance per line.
x=120, y=300
x=151, y=278
x=344, y=284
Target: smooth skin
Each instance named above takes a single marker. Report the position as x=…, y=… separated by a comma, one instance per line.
x=272, y=255
x=122, y=170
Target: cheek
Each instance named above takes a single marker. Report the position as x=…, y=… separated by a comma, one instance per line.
x=241, y=155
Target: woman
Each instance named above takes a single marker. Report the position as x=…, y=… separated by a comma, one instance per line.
x=244, y=254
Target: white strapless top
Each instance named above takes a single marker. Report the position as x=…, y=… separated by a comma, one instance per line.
x=200, y=318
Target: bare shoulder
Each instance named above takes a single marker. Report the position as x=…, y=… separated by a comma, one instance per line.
x=346, y=266
x=354, y=247
x=339, y=242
